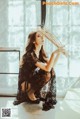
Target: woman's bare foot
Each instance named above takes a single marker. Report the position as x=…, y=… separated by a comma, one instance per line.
x=32, y=99
x=31, y=95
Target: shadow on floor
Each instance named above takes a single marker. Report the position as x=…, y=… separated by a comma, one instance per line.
x=32, y=108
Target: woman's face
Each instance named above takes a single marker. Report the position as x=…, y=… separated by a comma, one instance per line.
x=39, y=39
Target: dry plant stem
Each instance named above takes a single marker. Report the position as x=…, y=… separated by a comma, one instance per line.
x=52, y=39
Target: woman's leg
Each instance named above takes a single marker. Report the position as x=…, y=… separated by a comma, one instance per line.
x=50, y=99
x=27, y=88
x=31, y=94
x=39, y=81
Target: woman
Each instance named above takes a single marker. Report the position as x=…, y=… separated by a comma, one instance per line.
x=36, y=70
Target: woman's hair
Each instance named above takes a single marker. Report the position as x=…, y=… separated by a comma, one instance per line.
x=31, y=46
x=31, y=39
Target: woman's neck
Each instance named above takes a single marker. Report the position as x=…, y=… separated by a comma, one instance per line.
x=37, y=50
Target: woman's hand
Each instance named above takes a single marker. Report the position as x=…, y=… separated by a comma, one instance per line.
x=59, y=50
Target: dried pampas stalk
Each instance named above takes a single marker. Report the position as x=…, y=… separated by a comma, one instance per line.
x=52, y=38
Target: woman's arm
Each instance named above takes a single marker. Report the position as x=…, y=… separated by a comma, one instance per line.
x=47, y=66
x=46, y=59
x=56, y=58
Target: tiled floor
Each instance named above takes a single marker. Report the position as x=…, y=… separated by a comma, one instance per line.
x=68, y=108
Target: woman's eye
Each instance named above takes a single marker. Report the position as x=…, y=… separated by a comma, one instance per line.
x=38, y=36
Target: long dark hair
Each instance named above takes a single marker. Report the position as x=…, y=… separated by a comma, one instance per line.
x=31, y=46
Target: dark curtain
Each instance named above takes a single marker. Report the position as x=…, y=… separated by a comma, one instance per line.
x=43, y=13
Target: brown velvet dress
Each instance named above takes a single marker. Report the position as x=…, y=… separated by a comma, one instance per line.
x=36, y=77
